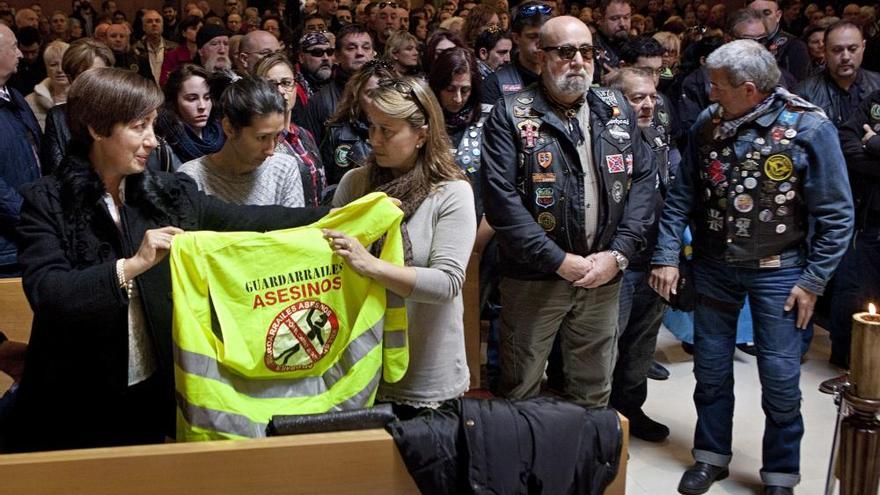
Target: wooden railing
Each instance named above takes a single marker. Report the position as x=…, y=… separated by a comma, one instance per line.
x=362, y=462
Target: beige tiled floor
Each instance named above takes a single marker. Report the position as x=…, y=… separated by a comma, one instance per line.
x=655, y=469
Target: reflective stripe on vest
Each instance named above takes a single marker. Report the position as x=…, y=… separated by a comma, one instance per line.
x=274, y=323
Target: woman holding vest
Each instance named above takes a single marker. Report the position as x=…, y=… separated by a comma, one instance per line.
x=93, y=244
x=411, y=161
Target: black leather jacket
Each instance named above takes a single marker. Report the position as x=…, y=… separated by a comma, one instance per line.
x=823, y=92
x=344, y=147
x=55, y=138
x=863, y=161
x=791, y=53
x=532, y=182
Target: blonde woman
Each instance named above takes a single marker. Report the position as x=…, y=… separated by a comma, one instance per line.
x=411, y=161
x=402, y=48
x=52, y=90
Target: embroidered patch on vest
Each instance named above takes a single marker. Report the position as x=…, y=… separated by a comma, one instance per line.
x=547, y=221
x=545, y=159
x=615, y=164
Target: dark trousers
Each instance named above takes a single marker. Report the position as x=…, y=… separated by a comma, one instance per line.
x=856, y=283
x=641, y=312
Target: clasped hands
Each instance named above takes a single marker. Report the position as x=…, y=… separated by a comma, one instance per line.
x=588, y=272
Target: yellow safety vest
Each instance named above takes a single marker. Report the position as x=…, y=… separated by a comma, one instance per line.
x=275, y=323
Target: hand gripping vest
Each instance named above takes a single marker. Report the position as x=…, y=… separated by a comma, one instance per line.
x=275, y=323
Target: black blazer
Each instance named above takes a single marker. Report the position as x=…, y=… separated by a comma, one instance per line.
x=77, y=363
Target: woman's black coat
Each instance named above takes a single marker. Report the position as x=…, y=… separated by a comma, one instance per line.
x=77, y=364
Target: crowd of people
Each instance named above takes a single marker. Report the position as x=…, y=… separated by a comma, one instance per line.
x=573, y=146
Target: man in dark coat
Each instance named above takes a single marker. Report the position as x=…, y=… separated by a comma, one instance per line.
x=18, y=148
x=569, y=188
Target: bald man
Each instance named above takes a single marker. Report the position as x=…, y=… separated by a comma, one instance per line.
x=254, y=46
x=569, y=211
x=27, y=18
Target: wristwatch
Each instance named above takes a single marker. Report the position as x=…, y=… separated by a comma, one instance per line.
x=622, y=262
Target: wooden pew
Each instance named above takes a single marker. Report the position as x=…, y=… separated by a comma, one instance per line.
x=345, y=462
x=15, y=311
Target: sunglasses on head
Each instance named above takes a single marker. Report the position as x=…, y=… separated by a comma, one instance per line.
x=379, y=63
x=403, y=88
x=320, y=52
x=567, y=52
x=382, y=5
x=530, y=10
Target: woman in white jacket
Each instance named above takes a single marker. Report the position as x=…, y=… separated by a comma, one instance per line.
x=52, y=90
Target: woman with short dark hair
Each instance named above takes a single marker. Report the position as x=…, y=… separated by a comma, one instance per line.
x=93, y=242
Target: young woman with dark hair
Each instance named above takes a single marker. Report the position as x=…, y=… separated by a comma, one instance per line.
x=93, y=242
x=246, y=170
x=188, y=122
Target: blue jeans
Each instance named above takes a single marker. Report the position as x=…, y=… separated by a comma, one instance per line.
x=681, y=324
x=778, y=343
x=641, y=312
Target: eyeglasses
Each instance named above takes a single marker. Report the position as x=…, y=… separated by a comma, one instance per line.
x=320, y=52
x=567, y=52
x=530, y=10
x=382, y=5
x=286, y=84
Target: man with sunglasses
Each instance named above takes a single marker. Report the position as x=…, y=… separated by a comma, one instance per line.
x=525, y=68
x=316, y=57
x=354, y=48
x=569, y=187
x=790, y=52
x=764, y=185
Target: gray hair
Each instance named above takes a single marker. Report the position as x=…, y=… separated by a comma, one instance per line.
x=746, y=61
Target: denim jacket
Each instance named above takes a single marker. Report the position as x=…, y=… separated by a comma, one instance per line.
x=824, y=205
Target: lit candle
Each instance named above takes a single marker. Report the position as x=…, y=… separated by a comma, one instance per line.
x=865, y=355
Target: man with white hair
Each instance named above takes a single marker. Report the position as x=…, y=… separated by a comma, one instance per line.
x=764, y=184
x=569, y=188
x=21, y=136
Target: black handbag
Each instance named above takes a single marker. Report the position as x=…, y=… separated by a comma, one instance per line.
x=356, y=419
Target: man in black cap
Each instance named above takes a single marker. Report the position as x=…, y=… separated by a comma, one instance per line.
x=316, y=57
x=213, y=44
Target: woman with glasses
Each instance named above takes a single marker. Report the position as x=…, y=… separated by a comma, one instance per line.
x=411, y=162
x=346, y=142
x=246, y=170
x=294, y=140
x=402, y=48
x=188, y=121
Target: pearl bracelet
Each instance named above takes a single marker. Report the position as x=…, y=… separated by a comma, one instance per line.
x=128, y=285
